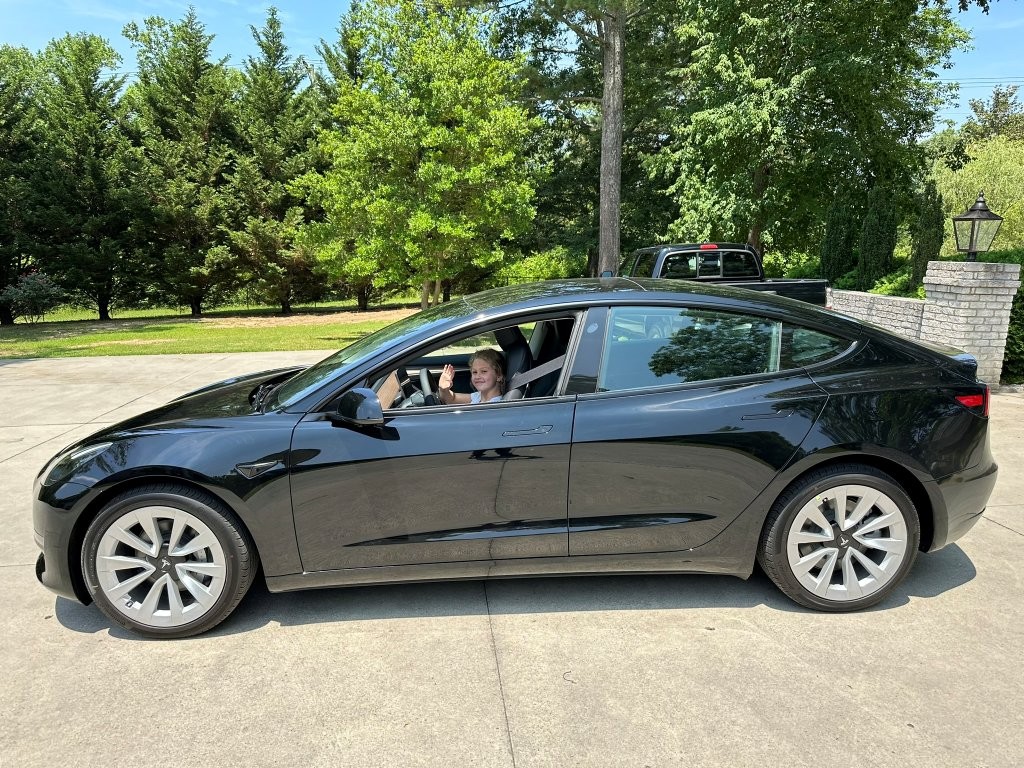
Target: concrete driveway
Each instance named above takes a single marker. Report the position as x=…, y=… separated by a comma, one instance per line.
x=601, y=671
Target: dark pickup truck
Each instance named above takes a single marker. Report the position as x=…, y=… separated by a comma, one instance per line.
x=724, y=263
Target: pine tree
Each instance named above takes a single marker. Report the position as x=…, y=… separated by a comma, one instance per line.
x=877, y=238
x=928, y=232
x=21, y=162
x=89, y=211
x=837, y=248
x=274, y=124
x=182, y=102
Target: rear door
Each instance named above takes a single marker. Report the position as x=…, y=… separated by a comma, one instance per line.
x=692, y=414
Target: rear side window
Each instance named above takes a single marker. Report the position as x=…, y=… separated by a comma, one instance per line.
x=644, y=266
x=660, y=346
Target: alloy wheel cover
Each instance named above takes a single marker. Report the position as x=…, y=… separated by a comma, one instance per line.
x=847, y=543
x=161, y=566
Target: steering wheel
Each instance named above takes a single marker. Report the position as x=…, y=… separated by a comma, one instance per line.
x=428, y=385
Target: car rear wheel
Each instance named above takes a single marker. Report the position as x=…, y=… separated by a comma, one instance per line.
x=167, y=561
x=841, y=539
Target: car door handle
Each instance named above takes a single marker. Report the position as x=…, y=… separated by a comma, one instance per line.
x=543, y=429
x=779, y=414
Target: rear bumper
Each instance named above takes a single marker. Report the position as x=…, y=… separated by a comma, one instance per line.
x=965, y=495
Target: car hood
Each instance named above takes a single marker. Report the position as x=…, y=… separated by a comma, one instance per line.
x=233, y=397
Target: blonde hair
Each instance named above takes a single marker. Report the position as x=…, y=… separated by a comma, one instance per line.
x=493, y=358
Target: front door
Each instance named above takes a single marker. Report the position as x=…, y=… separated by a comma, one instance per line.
x=435, y=485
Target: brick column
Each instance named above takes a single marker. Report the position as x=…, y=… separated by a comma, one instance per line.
x=968, y=306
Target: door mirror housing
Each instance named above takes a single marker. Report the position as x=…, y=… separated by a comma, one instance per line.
x=359, y=407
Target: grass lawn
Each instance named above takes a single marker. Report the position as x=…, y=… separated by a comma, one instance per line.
x=249, y=331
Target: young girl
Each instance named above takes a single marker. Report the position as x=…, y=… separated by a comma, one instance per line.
x=487, y=367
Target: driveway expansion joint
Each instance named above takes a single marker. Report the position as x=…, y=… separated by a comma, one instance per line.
x=497, y=668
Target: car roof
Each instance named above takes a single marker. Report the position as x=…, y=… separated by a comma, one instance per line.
x=622, y=290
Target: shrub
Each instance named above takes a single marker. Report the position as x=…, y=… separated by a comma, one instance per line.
x=900, y=282
x=791, y=265
x=32, y=296
x=556, y=263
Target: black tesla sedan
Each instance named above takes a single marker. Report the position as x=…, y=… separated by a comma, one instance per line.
x=646, y=427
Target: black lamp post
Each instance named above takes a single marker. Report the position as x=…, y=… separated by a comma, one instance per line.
x=976, y=228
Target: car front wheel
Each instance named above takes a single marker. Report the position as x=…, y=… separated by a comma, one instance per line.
x=840, y=540
x=167, y=561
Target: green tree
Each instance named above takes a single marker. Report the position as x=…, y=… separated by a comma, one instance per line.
x=20, y=164
x=427, y=176
x=1001, y=115
x=997, y=168
x=598, y=76
x=838, y=247
x=877, y=238
x=275, y=129
x=182, y=103
x=781, y=101
x=88, y=206
x=927, y=232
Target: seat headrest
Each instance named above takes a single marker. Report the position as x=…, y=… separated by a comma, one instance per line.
x=510, y=338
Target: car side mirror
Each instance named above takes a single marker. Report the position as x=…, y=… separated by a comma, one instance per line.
x=359, y=407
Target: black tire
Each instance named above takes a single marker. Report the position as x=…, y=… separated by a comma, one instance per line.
x=859, y=560
x=167, y=561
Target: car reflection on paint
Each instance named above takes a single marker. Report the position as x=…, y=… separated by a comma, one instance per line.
x=647, y=427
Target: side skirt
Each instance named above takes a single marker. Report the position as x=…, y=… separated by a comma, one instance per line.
x=660, y=562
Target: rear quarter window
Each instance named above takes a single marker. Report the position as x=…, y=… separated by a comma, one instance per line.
x=803, y=346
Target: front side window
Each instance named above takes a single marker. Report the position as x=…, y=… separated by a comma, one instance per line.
x=659, y=346
x=521, y=350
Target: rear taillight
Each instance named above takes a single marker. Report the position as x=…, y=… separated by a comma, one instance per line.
x=977, y=402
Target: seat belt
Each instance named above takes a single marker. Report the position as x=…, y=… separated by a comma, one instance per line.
x=525, y=377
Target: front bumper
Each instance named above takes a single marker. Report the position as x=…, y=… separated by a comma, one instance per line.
x=53, y=523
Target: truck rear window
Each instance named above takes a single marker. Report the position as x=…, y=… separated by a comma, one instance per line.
x=739, y=264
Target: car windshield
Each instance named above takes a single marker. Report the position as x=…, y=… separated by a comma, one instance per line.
x=309, y=380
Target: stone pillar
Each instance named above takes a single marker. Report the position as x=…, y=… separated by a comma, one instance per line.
x=968, y=306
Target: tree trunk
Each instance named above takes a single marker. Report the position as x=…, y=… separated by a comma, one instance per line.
x=759, y=186
x=446, y=294
x=196, y=305
x=363, y=298
x=286, y=306
x=437, y=292
x=613, y=46
x=103, y=307
x=425, y=294
x=6, y=315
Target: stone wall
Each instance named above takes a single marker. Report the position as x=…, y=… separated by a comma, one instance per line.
x=894, y=313
x=967, y=306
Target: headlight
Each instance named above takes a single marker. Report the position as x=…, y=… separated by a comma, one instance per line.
x=63, y=465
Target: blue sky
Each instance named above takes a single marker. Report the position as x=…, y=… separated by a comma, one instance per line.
x=997, y=57
x=33, y=23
